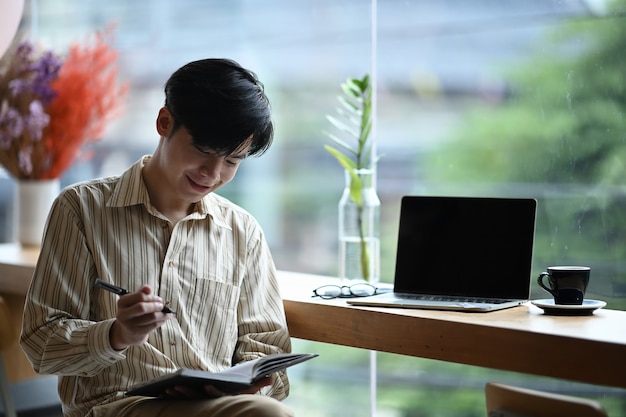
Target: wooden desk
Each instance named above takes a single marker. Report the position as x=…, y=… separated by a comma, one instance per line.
x=589, y=349
x=16, y=267
x=16, y=270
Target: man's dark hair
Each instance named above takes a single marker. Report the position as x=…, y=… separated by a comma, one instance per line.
x=221, y=104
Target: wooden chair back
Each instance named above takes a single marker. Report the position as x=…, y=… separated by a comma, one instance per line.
x=509, y=401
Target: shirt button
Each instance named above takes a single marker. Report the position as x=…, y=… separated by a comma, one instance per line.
x=172, y=342
x=171, y=263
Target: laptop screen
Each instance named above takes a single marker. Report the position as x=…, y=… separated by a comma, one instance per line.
x=465, y=246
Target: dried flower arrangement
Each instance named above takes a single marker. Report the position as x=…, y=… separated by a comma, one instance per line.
x=50, y=107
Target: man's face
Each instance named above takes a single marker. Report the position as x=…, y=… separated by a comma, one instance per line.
x=192, y=171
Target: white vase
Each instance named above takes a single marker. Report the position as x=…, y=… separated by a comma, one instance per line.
x=33, y=199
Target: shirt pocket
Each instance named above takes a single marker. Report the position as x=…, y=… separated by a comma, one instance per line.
x=212, y=310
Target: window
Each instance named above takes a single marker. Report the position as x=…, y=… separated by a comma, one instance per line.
x=478, y=97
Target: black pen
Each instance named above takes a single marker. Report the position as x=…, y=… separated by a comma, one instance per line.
x=121, y=291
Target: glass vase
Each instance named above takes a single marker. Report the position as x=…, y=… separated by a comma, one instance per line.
x=359, y=223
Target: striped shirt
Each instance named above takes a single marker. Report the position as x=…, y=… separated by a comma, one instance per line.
x=213, y=268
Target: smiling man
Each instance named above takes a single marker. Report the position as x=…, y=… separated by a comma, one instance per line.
x=160, y=231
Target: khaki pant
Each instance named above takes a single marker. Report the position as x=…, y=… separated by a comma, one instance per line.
x=245, y=405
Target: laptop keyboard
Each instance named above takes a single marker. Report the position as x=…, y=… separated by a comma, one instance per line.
x=453, y=299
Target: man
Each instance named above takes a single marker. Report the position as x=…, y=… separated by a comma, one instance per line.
x=159, y=231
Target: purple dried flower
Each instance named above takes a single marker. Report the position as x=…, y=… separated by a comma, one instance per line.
x=11, y=125
x=24, y=51
x=46, y=70
x=23, y=61
x=48, y=67
x=36, y=120
x=24, y=161
x=19, y=86
x=35, y=76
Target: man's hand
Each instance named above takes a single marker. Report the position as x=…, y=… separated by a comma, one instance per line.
x=138, y=314
x=182, y=392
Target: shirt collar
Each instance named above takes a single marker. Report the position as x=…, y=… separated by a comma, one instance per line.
x=131, y=190
x=209, y=206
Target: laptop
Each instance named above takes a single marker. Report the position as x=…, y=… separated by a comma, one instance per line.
x=469, y=254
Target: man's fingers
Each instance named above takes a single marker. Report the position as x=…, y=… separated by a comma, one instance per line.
x=213, y=392
x=138, y=304
x=138, y=314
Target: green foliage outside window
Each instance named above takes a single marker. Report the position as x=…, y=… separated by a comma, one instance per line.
x=561, y=132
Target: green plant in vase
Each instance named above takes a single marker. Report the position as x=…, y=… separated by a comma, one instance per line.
x=353, y=149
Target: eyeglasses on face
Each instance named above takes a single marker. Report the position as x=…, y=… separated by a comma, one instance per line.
x=328, y=292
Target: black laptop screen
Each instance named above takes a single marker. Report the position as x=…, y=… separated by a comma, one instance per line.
x=465, y=246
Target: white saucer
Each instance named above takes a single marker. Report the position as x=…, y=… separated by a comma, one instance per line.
x=587, y=307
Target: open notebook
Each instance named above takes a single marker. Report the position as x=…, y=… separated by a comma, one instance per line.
x=462, y=253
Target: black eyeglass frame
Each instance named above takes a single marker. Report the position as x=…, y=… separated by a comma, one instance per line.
x=346, y=291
